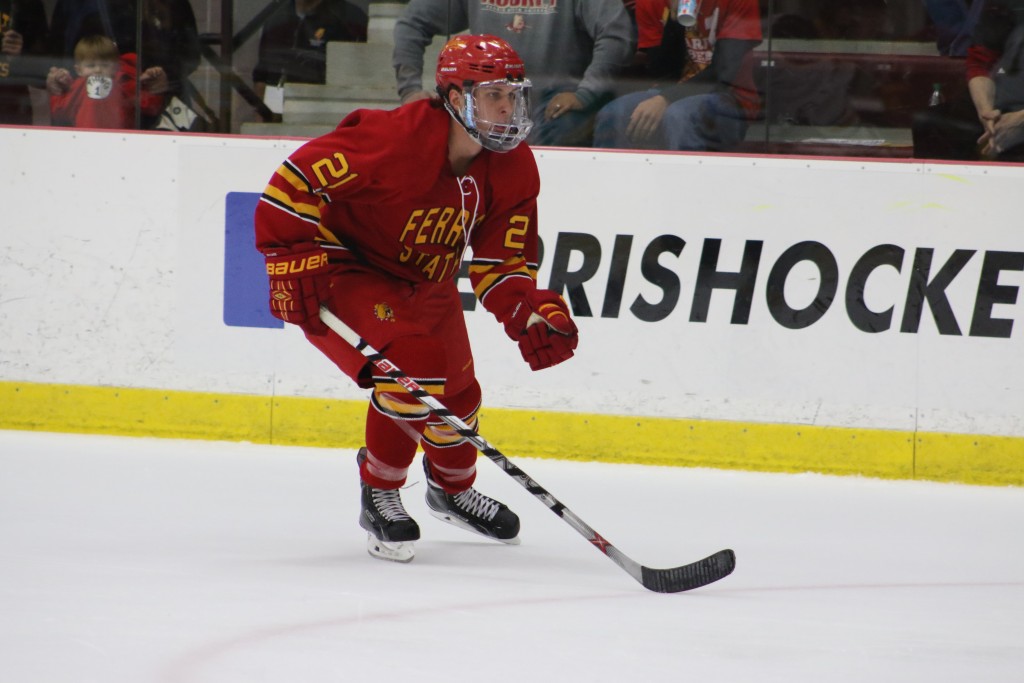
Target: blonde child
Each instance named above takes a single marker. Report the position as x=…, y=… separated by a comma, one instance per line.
x=102, y=95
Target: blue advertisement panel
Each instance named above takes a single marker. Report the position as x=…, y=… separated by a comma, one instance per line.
x=245, y=275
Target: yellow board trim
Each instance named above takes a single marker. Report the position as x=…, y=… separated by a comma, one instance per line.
x=888, y=454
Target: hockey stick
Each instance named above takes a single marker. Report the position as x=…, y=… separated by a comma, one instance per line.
x=672, y=580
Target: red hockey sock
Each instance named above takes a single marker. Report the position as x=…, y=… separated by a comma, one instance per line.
x=393, y=430
x=453, y=458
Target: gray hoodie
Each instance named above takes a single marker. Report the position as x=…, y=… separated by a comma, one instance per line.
x=581, y=43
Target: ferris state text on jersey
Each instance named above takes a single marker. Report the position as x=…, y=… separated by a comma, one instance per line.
x=434, y=239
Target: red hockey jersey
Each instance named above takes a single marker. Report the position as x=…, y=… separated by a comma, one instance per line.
x=380, y=189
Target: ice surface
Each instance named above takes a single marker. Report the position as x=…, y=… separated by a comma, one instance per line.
x=159, y=561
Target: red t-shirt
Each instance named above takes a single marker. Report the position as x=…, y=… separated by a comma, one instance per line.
x=110, y=105
x=716, y=20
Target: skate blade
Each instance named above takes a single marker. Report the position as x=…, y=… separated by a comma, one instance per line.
x=394, y=552
x=455, y=521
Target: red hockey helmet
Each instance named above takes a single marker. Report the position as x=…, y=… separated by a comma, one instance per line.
x=473, y=64
x=473, y=59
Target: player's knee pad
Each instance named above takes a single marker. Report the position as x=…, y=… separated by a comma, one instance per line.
x=465, y=405
x=422, y=359
x=397, y=406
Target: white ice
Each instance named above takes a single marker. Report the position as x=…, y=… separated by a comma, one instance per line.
x=161, y=561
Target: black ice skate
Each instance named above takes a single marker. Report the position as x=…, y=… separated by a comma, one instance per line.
x=472, y=511
x=391, y=529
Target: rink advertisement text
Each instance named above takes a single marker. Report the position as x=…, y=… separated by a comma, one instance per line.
x=853, y=294
x=884, y=288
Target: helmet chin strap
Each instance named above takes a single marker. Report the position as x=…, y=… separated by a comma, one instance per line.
x=471, y=130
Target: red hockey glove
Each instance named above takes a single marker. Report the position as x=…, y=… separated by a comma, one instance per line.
x=541, y=324
x=298, y=283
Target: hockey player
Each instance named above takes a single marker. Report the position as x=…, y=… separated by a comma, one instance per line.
x=372, y=220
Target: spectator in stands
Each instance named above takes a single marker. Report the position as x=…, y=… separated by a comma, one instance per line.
x=991, y=124
x=996, y=79
x=169, y=52
x=293, y=44
x=954, y=22
x=572, y=49
x=708, y=108
x=103, y=94
x=22, y=45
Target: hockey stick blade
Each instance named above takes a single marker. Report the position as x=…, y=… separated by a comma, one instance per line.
x=674, y=580
x=689, y=576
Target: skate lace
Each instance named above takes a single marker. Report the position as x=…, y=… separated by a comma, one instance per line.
x=389, y=504
x=476, y=503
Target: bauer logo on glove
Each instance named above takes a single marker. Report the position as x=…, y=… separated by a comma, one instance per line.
x=280, y=296
x=298, y=284
x=295, y=265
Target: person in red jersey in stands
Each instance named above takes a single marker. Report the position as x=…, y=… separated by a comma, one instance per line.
x=713, y=100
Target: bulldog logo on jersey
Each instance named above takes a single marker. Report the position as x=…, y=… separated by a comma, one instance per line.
x=384, y=313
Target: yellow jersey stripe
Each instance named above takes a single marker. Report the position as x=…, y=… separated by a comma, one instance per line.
x=300, y=208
